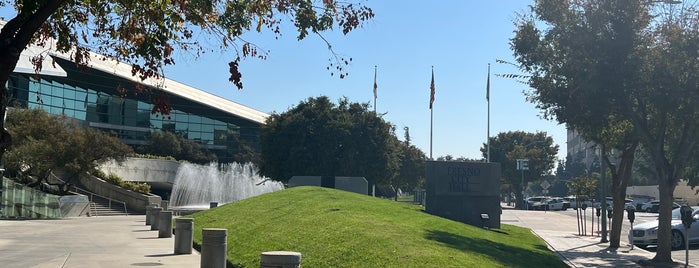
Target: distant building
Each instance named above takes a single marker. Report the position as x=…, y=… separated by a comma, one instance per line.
x=588, y=153
x=581, y=150
x=93, y=98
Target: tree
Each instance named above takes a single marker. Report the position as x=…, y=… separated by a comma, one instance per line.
x=507, y=147
x=569, y=169
x=619, y=73
x=146, y=33
x=458, y=159
x=166, y=143
x=411, y=174
x=320, y=138
x=583, y=188
x=47, y=143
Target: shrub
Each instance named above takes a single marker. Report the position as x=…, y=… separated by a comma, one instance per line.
x=143, y=188
x=99, y=174
x=114, y=179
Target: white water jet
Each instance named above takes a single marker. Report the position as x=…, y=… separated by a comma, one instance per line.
x=199, y=185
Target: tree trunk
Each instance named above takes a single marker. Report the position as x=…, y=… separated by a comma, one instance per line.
x=620, y=179
x=664, y=251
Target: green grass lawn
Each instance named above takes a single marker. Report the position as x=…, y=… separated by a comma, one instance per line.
x=333, y=228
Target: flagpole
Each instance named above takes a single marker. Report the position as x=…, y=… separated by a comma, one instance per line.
x=431, y=120
x=375, y=88
x=487, y=97
x=431, y=110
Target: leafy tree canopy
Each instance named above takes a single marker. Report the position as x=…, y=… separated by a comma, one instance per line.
x=624, y=73
x=320, y=138
x=507, y=147
x=46, y=143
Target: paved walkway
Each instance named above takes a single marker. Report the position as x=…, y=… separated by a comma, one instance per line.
x=95, y=242
x=561, y=234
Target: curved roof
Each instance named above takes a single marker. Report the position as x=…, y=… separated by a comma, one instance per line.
x=123, y=70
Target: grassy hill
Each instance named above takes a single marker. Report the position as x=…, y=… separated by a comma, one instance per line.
x=333, y=228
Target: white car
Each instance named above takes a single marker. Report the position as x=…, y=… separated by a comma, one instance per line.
x=557, y=203
x=536, y=202
x=646, y=233
x=628, y=203
x=574, y=203
x=653, y=206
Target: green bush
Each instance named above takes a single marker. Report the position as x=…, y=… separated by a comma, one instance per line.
x=114, y=179
x=143, y=188
x=99, y=174
x=150, y=156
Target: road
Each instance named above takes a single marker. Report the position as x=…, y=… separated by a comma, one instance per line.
x=678, y=255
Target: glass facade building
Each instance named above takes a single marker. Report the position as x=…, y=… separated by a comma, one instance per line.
x=107, y=101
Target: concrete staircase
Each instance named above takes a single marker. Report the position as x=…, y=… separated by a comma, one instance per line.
x=100, y=206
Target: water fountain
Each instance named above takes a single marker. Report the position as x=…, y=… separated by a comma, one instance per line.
x=196, y=185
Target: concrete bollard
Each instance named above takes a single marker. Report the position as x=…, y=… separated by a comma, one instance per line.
x=184, y=235
x=213, y=204
x=165, y=224
x=148, y=213
x=280, y=259
x=164, y=204
x=213, y=248
x=154, y=218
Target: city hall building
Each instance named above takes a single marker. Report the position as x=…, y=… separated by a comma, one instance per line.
x=95, y=97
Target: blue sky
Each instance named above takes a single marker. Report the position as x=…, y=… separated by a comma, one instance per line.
x=405, y=39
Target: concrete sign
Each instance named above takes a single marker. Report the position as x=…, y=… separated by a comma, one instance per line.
x=462, y=191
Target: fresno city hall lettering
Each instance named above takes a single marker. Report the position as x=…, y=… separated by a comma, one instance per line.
x=463, y=191
x=460, y=179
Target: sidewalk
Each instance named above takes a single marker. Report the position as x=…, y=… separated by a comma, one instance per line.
x=105, y=242
x=561, y=234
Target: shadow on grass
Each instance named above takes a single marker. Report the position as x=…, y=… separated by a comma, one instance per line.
x=499, y=231
x=507, y=255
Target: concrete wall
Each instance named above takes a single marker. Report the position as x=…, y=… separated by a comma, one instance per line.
x=351, y=184
x=144, y=170
x=682, y=191
x=135, y=201
x=462, y=191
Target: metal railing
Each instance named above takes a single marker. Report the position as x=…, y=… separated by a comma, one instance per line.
x=93, y=205
x=91, y=195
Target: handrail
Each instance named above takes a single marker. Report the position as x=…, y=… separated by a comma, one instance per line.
x=109, y=200
x=91, y=194
x=88, y=192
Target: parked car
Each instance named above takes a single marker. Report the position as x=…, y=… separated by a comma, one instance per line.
x=557, y=203
x=646, y=234
x=536, y=202
x=628, y=203
x=637, y=203
x=574, y=203
x=654, y=205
